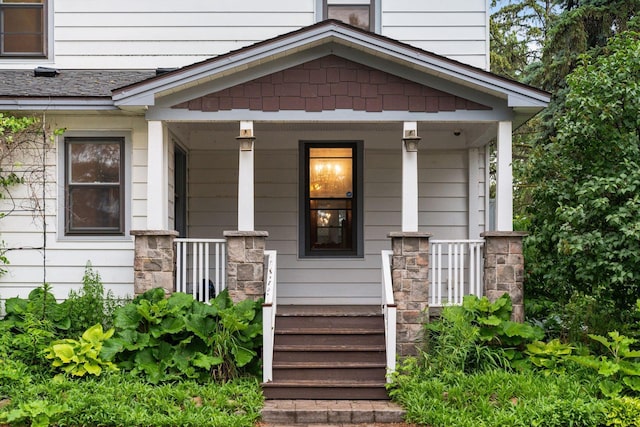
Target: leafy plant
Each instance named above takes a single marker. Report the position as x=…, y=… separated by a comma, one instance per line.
x=38, y=413
x=620, y=367
x=90, y=305
x=79, y=357
x=550, y=356
x=493, y=320
x=178, y=337
x=623, y=412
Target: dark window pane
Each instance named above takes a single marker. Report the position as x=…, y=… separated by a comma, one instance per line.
x=94, y=208
x=358, y=16
x=93, y=162
x=22, y=30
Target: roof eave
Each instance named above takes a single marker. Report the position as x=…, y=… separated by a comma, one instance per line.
x=58, y=104
x=144, y=93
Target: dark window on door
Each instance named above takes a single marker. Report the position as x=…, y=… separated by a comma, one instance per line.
x=94, y=184
x=359, y=13
x=331, y=179
x=22, y=28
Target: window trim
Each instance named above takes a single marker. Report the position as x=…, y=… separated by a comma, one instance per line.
x=125, y=187
x=375, y=21
x=47, y=27
x=304, y=232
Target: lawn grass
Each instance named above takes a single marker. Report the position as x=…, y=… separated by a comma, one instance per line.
x=122, y=400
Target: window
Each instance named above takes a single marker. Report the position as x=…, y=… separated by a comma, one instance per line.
x=22, y=28
x=94, y=185
x=331, y=195
x=359, y=13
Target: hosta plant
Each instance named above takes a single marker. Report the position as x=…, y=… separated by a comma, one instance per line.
x=80, y=357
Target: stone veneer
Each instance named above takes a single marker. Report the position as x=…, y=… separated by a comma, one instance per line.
x=245, y=264
x=504, y=268
x=409, y=270
x=154, y=260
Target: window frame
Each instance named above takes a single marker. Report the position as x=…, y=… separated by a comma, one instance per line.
x=44, y=14
x=125, y=186
x=304, y=226
x=374, y=14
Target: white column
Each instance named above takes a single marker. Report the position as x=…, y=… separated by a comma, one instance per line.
x=409, y=179
x=474, y=194
x=157, y=188
x=504, y=179
x=245, y=178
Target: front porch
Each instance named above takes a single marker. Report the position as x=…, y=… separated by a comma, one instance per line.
x=323, y=149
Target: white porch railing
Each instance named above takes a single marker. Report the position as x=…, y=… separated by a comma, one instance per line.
x=456, y=270
x=200, y=267
x=269, y=315
x=389, y=312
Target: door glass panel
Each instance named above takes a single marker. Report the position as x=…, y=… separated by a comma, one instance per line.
x=330, y=204
x=330, y=172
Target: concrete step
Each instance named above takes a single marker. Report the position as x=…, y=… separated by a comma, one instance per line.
x=315, y=412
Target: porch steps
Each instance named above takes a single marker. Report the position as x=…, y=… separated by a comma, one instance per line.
x=328, y=352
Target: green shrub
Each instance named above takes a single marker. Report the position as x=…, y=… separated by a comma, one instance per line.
x=90, y=305
x=178, y=337
x=619, y=368
x=477, y=336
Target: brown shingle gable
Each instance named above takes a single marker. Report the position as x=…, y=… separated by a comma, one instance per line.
x=331, y=83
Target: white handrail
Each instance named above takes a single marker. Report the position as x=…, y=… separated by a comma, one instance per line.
x=269, y=315
x=195, y=255
x=389, y=311
x=462, y=263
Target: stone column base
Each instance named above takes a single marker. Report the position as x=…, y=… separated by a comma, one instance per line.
x=245, y=264
x=154, y=260
x=409, y=270
x=504, y=268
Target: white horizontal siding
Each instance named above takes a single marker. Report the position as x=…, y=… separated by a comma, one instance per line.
x=457, y=29
x=165, y=33
x=151, y=33
x=63, y=261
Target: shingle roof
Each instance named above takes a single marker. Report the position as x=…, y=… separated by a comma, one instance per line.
x=68, y=83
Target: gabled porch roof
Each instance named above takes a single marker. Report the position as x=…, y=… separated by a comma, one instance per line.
x=510, y=100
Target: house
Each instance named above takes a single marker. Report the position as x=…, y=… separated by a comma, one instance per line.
x=258, y=126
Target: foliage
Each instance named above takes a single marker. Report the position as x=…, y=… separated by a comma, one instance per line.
x=517, y=33
x=493, y=320
x=550, y=356
x=38, y=413
x=12, y=135
x=620, y=367
x=477, y=336
x=122, y=400
x=623, y=412
x=177, y=337
x=585, y=207
x=496, y=398
x=90, y=305
x=79, y=357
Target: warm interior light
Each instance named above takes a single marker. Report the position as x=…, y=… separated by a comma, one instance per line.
x=330, y=172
